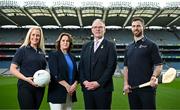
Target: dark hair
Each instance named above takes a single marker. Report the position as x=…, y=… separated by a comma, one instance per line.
x=59, y=40
x=138, y=19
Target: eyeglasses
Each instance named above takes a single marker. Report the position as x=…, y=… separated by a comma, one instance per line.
x=97, y=27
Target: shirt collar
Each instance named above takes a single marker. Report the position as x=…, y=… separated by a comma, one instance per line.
x=99, y=40
x=29, y=46
x=142, y=39
x=138, y=38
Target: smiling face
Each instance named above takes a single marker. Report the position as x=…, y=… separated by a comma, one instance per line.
x=137, y=28
x=35, y=37
x=64, y=43
x=98, y=29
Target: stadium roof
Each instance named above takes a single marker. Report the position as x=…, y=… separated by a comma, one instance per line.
x=68, y=13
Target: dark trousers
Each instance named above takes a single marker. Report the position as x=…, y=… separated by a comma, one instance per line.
x=142, y=99
x=97, y=100
x=29, y=97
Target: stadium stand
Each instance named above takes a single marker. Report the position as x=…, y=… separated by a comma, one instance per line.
x=169, y=47
x=79, y=35
x=177, y=34
x=119, y=36
x=12, y=35
x=61, y=14
x=162, y=37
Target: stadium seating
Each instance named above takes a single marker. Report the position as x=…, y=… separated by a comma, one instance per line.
x=12, y=35
x=169, y=44
x=162, y=37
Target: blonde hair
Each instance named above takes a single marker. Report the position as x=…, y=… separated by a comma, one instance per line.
x=27, y=39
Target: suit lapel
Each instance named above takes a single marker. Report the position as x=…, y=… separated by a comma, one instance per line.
x=90, y=47
x=63, y=61
x=88, y=53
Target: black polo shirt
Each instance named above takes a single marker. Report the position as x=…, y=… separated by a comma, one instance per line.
x=140, y=58
x=29, y=60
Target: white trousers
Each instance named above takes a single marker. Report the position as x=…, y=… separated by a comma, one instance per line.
x=64, y=106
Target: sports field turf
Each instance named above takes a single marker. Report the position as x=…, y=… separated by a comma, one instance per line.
x=168, y=95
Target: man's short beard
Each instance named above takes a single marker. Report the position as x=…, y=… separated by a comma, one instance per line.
x=139, y=35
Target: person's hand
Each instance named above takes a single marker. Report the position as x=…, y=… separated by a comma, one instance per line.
x=153, y=81
x=30, y=80
x=85, y=83
x=92, y=85
x=127, y=88
x=67, y=86
x=72, y=89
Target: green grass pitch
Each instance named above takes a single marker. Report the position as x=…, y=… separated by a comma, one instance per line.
x=168, y=95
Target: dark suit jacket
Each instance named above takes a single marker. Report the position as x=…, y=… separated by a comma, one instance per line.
x=59, y=71
x=103, y=66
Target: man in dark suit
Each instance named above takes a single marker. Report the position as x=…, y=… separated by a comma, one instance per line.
x=96, y=67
